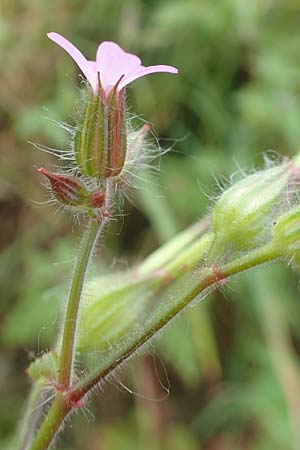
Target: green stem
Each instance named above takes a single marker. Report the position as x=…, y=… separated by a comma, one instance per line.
x=61, y=407
x=51, y=424
x=257, y=257
x=71, y=317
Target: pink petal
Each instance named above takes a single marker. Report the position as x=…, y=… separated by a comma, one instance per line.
x=145, y=71
x=85, y=66
x=113, y=62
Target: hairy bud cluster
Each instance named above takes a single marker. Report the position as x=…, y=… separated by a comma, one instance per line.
x=101, y=149
x=103, y=146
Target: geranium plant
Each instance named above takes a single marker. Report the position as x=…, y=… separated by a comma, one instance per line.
x=254, y=221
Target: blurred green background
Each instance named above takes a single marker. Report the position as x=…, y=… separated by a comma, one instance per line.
x=233, y=361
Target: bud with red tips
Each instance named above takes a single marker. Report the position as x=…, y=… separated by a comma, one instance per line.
x=67, y=190
x=70, y=191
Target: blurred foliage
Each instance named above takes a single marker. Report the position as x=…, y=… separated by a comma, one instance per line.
x=233, y=363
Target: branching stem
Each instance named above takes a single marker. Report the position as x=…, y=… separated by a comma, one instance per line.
x=62, y=406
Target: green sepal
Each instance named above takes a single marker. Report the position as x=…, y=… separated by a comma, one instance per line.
x=89, y=137
x=242, y=217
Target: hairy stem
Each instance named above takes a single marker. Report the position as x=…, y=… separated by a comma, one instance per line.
x=88, y=242
x=71, y=317
x=61, y=407
x=51, y=424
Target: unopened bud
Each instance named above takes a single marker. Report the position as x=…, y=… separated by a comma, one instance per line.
x=100, y=140
x=67, y=190
x=71, y=192
x=287, y=235
x=244, y=213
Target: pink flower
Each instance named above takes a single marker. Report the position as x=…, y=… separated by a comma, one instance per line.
x=115, y=66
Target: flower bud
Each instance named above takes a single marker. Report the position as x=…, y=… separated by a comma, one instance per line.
x=286, y=234
x=100, y=141
x=71, y=192
x=67, y=190
x=243, y=214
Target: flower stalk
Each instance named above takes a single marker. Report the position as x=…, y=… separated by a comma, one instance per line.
x=71, y=316
x=93, y=230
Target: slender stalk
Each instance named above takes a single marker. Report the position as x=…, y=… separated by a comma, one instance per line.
x=61, y=407
x=51, y=424
x=88, y=242
x=71, y=317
